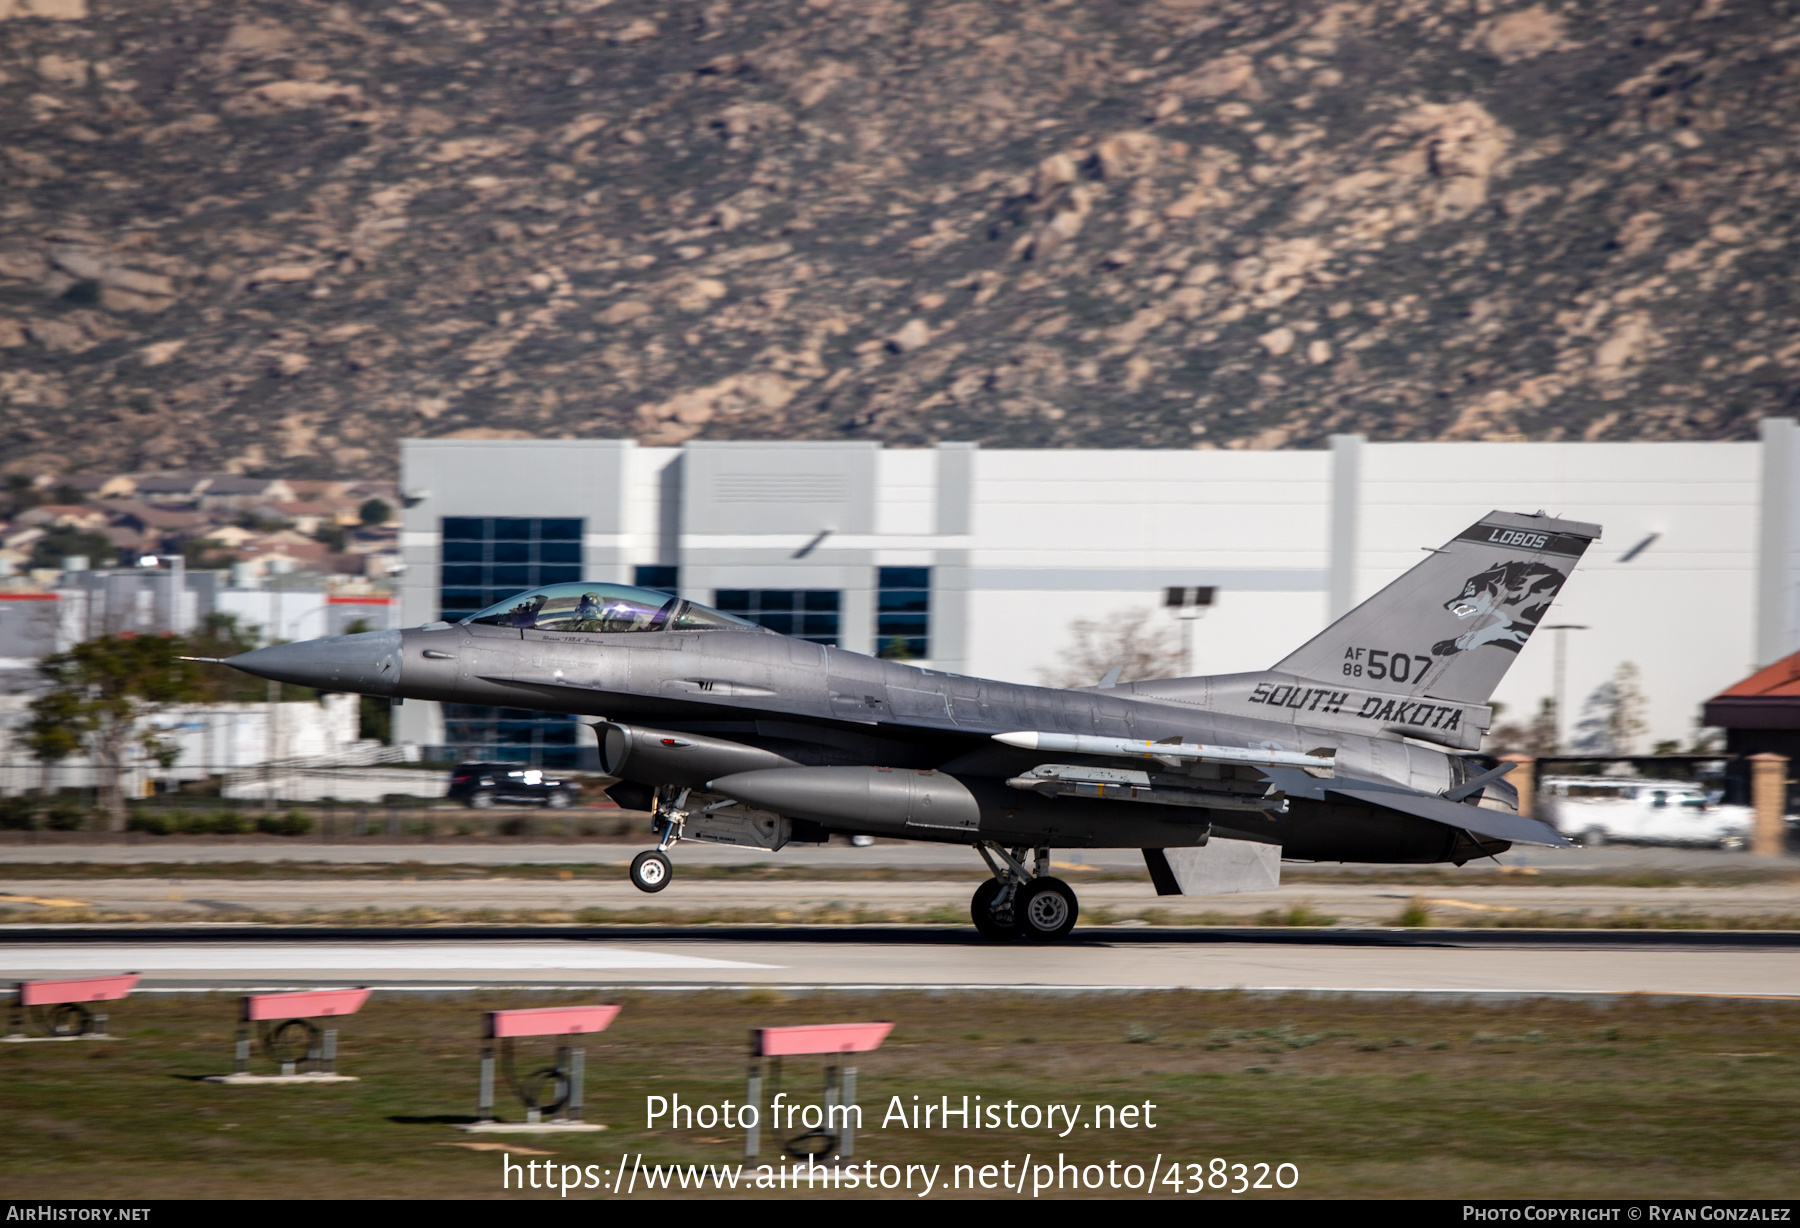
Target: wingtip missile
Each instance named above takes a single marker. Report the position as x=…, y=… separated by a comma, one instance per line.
x=1172, y=753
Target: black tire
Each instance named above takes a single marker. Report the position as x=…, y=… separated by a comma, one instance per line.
x=1046, y=909
x=651, y=871
x=557, y=800
x=981, y=911
x=1593, y=838
x=481, y=799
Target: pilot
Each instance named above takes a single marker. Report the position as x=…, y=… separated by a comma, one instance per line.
x=588, y=613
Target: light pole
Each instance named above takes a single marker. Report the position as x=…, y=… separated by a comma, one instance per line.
x=272, y=742
x=1189, y=605
x=1562, y=672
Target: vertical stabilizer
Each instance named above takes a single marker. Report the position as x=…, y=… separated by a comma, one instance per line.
x=1451, y=626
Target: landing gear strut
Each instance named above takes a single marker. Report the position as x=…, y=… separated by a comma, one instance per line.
x=993, y=922
x=1019, y=902
x=650, y=869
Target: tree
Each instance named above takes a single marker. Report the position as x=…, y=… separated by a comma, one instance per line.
x=57, y=730
x=1612, y=718
x=1129, y=638
x=205, y=554
x=21, y=493
x=105, y=690
x=374, y=512
x=58, y=544
x=1534, y=737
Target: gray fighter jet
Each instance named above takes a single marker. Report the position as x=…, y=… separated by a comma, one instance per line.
x=1346, y=751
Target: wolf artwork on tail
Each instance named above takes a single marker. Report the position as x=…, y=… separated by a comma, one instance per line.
x=1496, y=599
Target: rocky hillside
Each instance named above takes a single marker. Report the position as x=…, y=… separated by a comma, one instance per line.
x=283, y=234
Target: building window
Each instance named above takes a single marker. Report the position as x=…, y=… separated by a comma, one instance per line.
x=903, y=613
x=487, y=559
x=662, y=579
x=479, y=734
x=807, y=614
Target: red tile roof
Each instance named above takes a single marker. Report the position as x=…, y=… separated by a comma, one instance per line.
x=1779, y=679
x=1767, y=699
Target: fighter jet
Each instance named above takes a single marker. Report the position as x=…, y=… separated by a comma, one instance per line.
x=1354, y=748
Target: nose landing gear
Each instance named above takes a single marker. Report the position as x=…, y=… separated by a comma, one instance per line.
x=1019, y=902
x=650, y=869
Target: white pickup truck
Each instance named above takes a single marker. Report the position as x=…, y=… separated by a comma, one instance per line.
x=1596, y=810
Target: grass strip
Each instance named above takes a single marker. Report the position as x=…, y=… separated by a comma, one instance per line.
x=1388, y=1097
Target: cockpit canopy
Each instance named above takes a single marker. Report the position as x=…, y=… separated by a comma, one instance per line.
x=604, y=608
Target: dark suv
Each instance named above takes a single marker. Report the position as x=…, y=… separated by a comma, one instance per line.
x=482, y=785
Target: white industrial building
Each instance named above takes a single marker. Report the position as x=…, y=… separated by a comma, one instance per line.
x=993, y=555
x=210, y=739
x=156, y=601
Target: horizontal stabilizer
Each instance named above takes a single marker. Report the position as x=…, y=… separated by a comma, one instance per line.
x=1218, y=867
x=1475, y=784
x=1477, y=819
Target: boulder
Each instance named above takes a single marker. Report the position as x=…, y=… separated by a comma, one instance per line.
x=909, y=336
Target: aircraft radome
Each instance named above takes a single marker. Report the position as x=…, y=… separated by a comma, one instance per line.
x=1346, y=751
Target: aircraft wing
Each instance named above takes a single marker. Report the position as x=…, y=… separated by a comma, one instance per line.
x=1478, y=819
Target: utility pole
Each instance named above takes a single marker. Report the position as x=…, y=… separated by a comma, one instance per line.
x=177, y=592
x=1562, y=677
x=274, y=694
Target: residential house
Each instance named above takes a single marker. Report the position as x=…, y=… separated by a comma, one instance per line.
x=230, y=536
x=101, y=486
x=168, y=487
x=236, y=493
x=65, y=516
x=304, y=516
x=159, y=522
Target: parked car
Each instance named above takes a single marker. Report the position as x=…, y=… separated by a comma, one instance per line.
x=1596, y=810
x=482, y=785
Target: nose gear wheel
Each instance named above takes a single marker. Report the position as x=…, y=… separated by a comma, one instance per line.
x=650, y=871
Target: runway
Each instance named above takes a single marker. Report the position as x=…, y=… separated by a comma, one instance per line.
x=1412, y=962
x=1361, y=904
x=44, y=848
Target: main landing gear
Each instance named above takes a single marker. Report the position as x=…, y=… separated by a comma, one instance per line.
x=1017, y=902
x=650, y=869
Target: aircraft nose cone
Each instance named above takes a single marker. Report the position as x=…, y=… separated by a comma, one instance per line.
x=366, y=664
